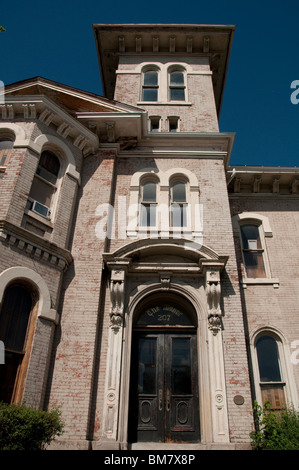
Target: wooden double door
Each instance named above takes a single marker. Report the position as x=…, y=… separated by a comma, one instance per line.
x=164, y=404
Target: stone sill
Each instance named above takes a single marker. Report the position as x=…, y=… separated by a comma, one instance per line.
x=163, y=103
x=260, y=281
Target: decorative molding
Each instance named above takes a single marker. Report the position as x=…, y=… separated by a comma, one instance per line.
x=41, y=108
x=34, y=246
x=165, y=280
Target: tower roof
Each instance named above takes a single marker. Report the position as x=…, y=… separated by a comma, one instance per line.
x=212, y=41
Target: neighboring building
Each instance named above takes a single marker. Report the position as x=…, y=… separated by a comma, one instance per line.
x=147, y=287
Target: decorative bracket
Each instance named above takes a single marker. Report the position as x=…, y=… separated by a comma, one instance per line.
x=213, y=292
x=118, y=268
x=117, y=297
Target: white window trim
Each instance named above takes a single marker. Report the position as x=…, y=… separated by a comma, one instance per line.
x=163, y=228
x=163, y=70
x=265, y=230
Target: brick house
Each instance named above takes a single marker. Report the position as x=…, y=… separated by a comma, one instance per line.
x=147, y=287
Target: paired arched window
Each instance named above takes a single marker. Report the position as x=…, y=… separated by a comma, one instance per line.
x=15, y=320
x=269, y=368
x=44, y=184
x=178, y=203
x=167, y=83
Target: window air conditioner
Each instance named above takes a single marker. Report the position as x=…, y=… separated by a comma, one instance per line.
x=40, y=209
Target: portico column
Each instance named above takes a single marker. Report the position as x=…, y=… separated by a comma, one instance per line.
x=216, y=358
x=113, y=366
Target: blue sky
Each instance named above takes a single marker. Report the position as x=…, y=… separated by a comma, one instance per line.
x=54, y=39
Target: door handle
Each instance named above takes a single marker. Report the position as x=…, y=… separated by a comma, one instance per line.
x=167, y=399
x=160, y=399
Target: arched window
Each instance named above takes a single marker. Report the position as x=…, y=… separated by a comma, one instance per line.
x=178, y=204
x=270, y=376
x=253, y=251
x=150, y=85
x=14, y=321
x=5, y=149
x=177, y=85
x=44, y=184
x=148, y=203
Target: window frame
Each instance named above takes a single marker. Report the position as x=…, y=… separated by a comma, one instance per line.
x=172, y=86
x=5, y=153
x=21, y=358
x=184, y=205
x=266, y=232
x=266, y=388
x=145, y=86
x=259, y=250
x=52, y=186
x=148, y=203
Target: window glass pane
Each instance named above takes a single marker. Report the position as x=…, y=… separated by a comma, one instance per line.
x=149, y=192
x=177, y=94
x=147, y=351
x=6, y=144
x=179, y=215
x=151, y=78
x=155, y=124
x=148, y=215
x=41, y=192
x=177, y=78
x=14, y=317
x=251, y=237
x=150, y=94
x=173, y=125
x=254, y=264
x=179, y=192
x=268, y=359
x=49, y=162
x=181, y=366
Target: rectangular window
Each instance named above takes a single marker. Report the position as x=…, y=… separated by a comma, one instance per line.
x=253, y=252
x=177, y=86
x=150, y=86
x=173, y=124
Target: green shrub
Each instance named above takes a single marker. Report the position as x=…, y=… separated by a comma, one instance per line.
x=275, y=430
x=24, y=428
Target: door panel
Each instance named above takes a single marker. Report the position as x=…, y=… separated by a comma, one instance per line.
x=164, y=389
